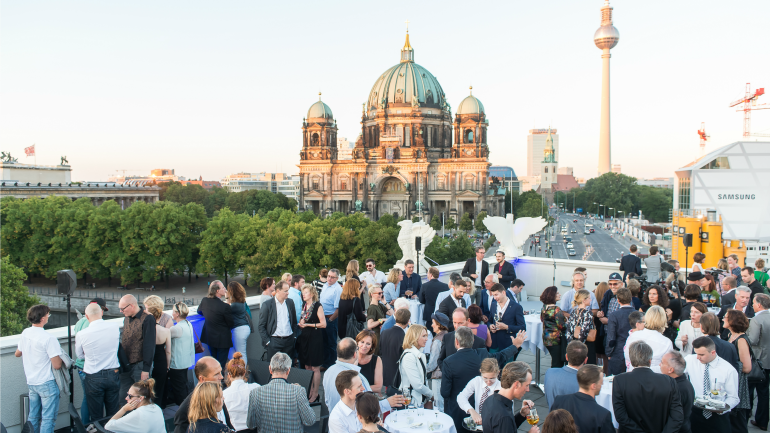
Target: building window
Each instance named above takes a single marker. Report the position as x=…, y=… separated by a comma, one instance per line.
x=546, y=169
x=316, y=184
x=684, y=193
x=441, y=183
x=344, y=184
x=718, y=163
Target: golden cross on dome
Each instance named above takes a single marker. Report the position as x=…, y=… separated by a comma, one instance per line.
x=407, y=26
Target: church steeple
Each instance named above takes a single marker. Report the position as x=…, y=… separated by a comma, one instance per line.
x=407, y=53
x=549, y=154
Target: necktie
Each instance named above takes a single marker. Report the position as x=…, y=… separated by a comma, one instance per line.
x=483, y=398
x=706, y=390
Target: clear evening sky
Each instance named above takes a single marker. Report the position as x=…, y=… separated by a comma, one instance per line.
x=213, y=88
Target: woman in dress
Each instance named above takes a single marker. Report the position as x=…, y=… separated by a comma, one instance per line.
x=414, y=365
x=319, y=283
x=267, y=287
x=236, y=396
x=737, y=323
x=378, y=311
x=182, y=353
x=553, y=325
x=391, y=288
x=370, y=363
x=310, y=343
x=581, y=322
x=139, y=414
x=161, y=361
x=601, y=332
x=350, y=302
x=368, y=413
x=236, y=297
x=219, y=321
x=165, y=321
x=440, y=324
x=477, y=325
x=698, y=259
x=655, y=323
x=206, y=401
x=689, y=330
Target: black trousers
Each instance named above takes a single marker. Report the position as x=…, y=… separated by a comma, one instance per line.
x=557, y=358
x=739, y=419
x=178, y=385
x=716, y=423
x=762, y=416
x=221, y=355
x=279, y=344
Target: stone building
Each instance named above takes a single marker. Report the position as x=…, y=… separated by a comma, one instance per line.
x=412, y=157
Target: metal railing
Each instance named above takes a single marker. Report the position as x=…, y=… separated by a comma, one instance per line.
x=112, y=296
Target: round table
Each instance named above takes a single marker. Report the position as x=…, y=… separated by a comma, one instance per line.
x=416, y=308
x=399, y=421
x=534, y=339
x=605, y=399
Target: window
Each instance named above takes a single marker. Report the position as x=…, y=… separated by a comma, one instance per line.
x=684, y=193
x=316, y=183
x=344, y=184
x=546, y=169
x=718, y=163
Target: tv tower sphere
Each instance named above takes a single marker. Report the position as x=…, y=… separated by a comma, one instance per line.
x=606, y=37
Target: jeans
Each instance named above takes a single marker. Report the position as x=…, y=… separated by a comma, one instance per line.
x=103, y=393
x=43, y=406
x=330, y=343
x=240, y=335
x=130, y=377
x=84, y=415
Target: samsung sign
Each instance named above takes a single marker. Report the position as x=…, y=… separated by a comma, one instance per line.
x=736, y=196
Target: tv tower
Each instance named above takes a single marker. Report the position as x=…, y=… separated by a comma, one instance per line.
x=605, y=39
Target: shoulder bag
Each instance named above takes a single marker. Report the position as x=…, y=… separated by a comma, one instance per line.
x=248, y=319
x=198, y=345
x=591, y=337
x=757, y=374
x=354, y=326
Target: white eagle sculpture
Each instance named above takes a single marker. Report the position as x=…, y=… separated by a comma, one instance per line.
x=409, y=231
x=513, y=235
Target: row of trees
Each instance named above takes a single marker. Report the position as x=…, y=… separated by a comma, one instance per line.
x=248, y=202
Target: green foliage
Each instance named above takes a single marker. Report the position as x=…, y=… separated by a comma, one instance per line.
x=415, y=219
x=480, y=222
x=533, y=207
x=68, y=245
x=489, y=242
x=453, y=250
x=449, y=223
x=103, y=241
x=16, y=299
x=465, y=222
x=435, y=222
x=219, y=252
x=214, y=200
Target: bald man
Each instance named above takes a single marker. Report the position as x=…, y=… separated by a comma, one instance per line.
x=138, y=341
x=98, y=346
x=207, y=369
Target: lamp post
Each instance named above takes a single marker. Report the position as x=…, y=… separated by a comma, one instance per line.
x=574, y=207
x=597, y=208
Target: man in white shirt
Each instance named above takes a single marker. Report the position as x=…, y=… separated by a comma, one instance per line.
x=343, y=419
x=454, y=300
x=330, y=301
x=482, y=386
x=372, y=275
x=40, y=352
x=98, y=344
x=278, y=322
x=705, y=369
x=578, y=283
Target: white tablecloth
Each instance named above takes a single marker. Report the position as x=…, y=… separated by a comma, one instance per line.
x=605, y=399
x=416, y=308
x=398, y=422
x=534, y=339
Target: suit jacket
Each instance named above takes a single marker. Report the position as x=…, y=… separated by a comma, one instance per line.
x=687, y=397
x=727, y=351
x=181, y=423
x=268, y=319
x=560, y=381
x=448, y=346
x=631, y=263
x=447, y=307
x=617, y=331
x=507, y=274
x=390, y=351
x=759, y=336
x=459, y=369
x=645, y=401
x=729, y=298
x=593, y=418
x=428, y=294
x=219, y=322
x=723, y=332
x=470, y=268
x=485, y=304
x=513, y=317
x=279, y=407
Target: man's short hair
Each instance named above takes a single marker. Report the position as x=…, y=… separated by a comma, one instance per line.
x=677, y=361
x=500, y=252
x=634, y=318
x=653, y=250
x=344, y=381
x=408, y=262
x=454, y=276
x=748, y=269
x=515, y=371
x=400, y=304
x=744, y=289
x=279, y=285
x=581, y=269
x=632, y=248
x=576, y=353
x=433, y=271
x=346, y=348
x=704, y=341
x=296, y=278
x=624, y=296
x=462, y=310
x=36, y=313
x=336, y=272
x=762, y=300
x=464, y=337
x=477, y=249
x=402, y=316
x=280, y=363
x=673, y=262
x=730, y=282
x=517, y=282
x=369, y=260
x=588, y=375
x=460, y=283
x=497, y=287
x=709, y=324
x=692, y=292
x=640, y=354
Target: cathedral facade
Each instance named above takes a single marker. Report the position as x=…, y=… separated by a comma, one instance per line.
x=412, y=157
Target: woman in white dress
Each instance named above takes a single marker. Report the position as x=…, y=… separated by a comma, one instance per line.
x=689, y=330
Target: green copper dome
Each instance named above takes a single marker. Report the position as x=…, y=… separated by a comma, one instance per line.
x=319, y=109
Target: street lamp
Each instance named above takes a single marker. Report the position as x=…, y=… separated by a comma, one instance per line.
x=597, y=208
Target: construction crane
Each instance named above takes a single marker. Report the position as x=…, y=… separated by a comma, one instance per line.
x=703, y=138
x=749, y=102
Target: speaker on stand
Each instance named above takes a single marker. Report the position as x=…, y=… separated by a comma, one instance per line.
x=66, y=281
x=417, y=247
x=687, y=239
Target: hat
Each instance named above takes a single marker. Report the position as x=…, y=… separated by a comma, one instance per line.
x=100, y=302
x=695, y=276
x=442, y=319
x=615, y=277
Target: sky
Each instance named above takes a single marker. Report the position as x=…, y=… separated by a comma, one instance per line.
x=213, y=88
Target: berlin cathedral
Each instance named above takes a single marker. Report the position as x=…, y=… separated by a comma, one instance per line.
x=410, y=159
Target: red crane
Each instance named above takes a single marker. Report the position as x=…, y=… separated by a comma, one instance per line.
x=749, y=102
x=703, y=138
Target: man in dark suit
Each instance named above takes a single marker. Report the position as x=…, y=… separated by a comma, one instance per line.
x=631, y=263
x=504, y=270
x=729, y=284
x=673, y=365
x=710, y=326
x=617, y=332
x=476, y=269
x=506, y=318
x=430, y=290
x=643, y=400
x=391, y=342
x=207, y=369
x=742, y=302
x=486, y=295
x=460, y=368
x=460, y=319
x=278, y=322
x=454, y=300
x=592, y=417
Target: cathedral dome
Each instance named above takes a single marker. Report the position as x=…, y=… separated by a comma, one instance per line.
x=319, y=109
x=470, y=105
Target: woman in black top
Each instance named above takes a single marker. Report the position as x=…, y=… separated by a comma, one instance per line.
x=205, y=402
x=310, y=344
x=370, y=363
x=349, y=303
x=219, y=322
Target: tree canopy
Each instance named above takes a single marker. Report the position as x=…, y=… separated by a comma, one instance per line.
x=249, y=202
x=16, y=299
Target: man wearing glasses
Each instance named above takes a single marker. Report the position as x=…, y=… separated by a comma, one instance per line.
x=138, y=341
x=610, y=302
x=373, y=276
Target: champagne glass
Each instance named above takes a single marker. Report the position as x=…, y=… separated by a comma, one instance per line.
x=533, y=418
x=407, y=397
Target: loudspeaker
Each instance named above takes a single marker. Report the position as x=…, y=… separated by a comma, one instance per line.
x=66, y=281
x=688, y=239
x=418, y=243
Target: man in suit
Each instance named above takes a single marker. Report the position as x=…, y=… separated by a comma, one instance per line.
x=588, y=415
x=673, y=366
x=742, y=303
x=729, y=284
x=207, y=369
x=631, y=263
x=506, y=318
x=486, y=295
x=391, y=342
x=430, y=290
x=460, y=368
x=618, y=328
x=643, y=400
x=454, y=300
x=514, y=293
x=460, y=319
x=710, y=326
x=504, y=270
x=561, y=381
x=759, y=337
x=278, y=322
x=476, y=269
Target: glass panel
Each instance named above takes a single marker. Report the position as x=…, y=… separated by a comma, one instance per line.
x=718, y=163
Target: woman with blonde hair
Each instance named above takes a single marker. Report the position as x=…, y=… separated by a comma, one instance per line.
x=182, y=353
x=350, y=303
x=236, y=396
x=391, y=288
x=161, y=361
x=139, y=414
x=206, y=401
x=165, y=321
x=236, y=297
x=310, y=344
x=581, y=322
x=286, y=277
x=413, y=365
x=655, y=323
x=378, y=311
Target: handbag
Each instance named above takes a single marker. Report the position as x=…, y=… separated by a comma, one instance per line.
x=354, y=326
x=248, y=319
x=757, y=373
x=591, y=337
x=198, y=345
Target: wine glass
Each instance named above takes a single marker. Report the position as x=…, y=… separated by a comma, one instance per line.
x=407, y=397
x=533, y=418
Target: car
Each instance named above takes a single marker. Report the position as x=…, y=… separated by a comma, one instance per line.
x=587, y=232
x=592, y=230
x=574, y=221
x=573, y=231
x=570, y=246
x=572, y=252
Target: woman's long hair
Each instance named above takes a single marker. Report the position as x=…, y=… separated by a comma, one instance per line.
x=203, y=403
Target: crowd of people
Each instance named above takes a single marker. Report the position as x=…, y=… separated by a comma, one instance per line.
x=660, y=346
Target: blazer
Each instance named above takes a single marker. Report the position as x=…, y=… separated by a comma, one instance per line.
x=219, y=322
x=513, y=317
x=447, y=307
x=470, y=268
x=728, y=298
x=593, y=418
x=727, y=351
x=631, y=263
x=391, y=341
x=181, y=423
x=723, y=332
x=413, y=374
x=560, y=381
x=687, y=397
x=485, y=304
x=646, y=401
x=759, y=337
x=448, y=346
x=617, y=331
x=279, y=407
x=268, y=319
x=507, y=274
x=428, y=294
